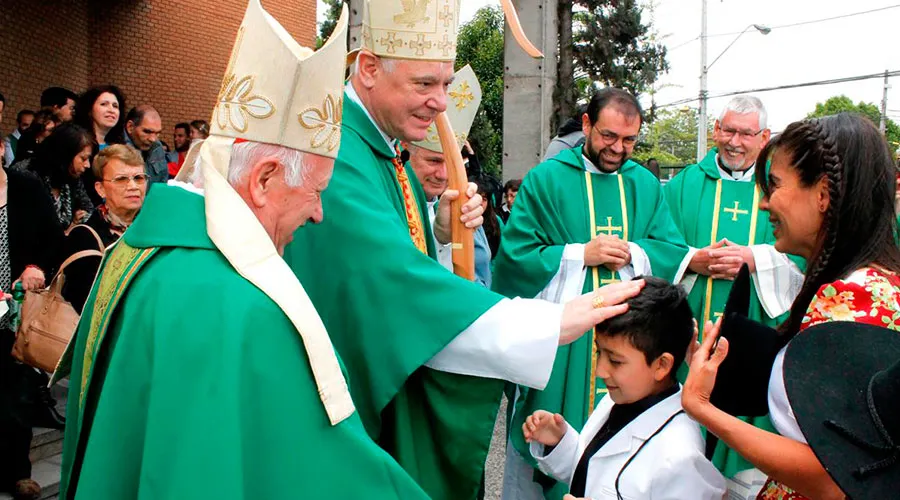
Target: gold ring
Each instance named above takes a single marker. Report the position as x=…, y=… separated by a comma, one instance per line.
x=597, y=302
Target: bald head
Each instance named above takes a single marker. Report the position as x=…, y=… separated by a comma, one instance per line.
x=143, y=125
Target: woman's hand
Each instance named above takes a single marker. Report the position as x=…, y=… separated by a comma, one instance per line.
x=704, y=367
x=32, y=278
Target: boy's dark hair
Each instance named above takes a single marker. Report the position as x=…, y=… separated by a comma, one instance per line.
x=658, y=321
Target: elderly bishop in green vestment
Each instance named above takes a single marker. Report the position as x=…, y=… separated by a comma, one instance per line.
x=426, y=351
x=200, y=368
x=584, y=219
x=715, y=205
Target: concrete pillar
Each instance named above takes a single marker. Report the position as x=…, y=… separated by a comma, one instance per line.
x=354, y=28
x=528, y=88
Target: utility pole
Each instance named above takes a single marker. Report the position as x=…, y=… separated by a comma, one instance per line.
x=882, y=126
x=701, y=120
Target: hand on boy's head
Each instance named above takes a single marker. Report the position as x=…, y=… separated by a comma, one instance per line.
x=703, y=369
x=570, y=497
x=545, y=428
x=584, y=312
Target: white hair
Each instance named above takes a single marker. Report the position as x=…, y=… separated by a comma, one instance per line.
x=746, y=104
x=387, y=64
x=245, y=154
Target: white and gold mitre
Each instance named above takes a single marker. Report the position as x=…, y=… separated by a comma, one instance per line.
x=463, y=99
x=411, y=29
x=278, y=92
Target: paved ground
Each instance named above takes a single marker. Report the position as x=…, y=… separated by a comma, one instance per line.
x=496, y=457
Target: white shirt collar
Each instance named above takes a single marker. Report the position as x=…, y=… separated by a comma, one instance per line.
x=353, y=96
x=745, y=176
x=590, y=167
x=16, y=133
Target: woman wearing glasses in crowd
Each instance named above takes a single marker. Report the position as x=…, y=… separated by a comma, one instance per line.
x=122, y=183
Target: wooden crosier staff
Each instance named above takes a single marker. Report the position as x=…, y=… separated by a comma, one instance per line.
x=463, y=238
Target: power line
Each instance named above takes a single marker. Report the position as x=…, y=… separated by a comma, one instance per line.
x=791, y=25
x=785, y=87
x=814, y=21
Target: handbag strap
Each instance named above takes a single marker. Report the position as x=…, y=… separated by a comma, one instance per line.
x=72, y=258
x=100, y=244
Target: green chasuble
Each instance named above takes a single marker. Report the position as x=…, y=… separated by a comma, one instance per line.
x=389, y=308
x=706, y=209
x=189, y=382
x=561, y=203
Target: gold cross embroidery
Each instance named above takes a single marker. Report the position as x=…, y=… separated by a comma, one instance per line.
x=735, y=211
x=391, y=42
x=462, y=96
x=420, y=44
x=446, y=16
x=609, y=228
x=446, y=45
x=717, y=315
x=609, y=281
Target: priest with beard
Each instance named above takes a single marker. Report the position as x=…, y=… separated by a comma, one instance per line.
x=585, y=218
x=715, y=205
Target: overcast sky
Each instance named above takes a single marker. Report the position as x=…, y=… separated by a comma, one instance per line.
x=852, y=46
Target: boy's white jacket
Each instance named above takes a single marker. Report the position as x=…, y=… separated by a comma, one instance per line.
x=671, y=466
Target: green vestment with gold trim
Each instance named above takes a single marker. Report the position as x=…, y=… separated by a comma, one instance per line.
x=707, y=209
x=559, y=203
x=189, y=382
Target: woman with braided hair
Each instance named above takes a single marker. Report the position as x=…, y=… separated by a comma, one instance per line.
x=830, y=195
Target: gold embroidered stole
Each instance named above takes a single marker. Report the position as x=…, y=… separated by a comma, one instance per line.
x=413, y=216
x=595, y=271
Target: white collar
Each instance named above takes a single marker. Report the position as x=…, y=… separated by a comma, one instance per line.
x=642, y=427
x=745, y=176
x=353, y=96
x=590, y=167
x=15, y=133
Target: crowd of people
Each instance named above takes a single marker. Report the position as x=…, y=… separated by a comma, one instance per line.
x=301, y=317
x=74, y=176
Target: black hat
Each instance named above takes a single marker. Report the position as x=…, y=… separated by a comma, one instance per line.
x=742, y=382
x=843, y=383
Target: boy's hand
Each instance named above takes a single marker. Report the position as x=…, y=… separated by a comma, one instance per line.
x=545, y=428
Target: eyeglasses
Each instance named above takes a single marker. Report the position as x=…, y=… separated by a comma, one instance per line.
x=611, y=138
x=123, y=180
x=728, y=133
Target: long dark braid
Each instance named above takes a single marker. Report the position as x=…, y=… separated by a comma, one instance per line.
x=822, y=146
x=858, y=226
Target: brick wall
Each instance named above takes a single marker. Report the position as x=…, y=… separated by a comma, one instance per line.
x=168, y=53
x=43, y=43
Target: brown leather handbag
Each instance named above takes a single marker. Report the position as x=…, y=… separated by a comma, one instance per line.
x=48, y=321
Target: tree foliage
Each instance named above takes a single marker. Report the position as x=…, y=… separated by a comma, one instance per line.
x=331, y=18
x=842, y=103
x=671, y=139
x=611, y=45
x=480, y=44
x=614, y=47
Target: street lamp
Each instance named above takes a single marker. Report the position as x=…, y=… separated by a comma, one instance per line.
x=704, y=68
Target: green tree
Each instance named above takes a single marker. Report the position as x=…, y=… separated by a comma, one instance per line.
x=671, y=138
x=480, y=44
x=331, y=17
x=842, y=103
x=610, y=43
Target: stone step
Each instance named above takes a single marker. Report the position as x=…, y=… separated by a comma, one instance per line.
x=46, y=450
